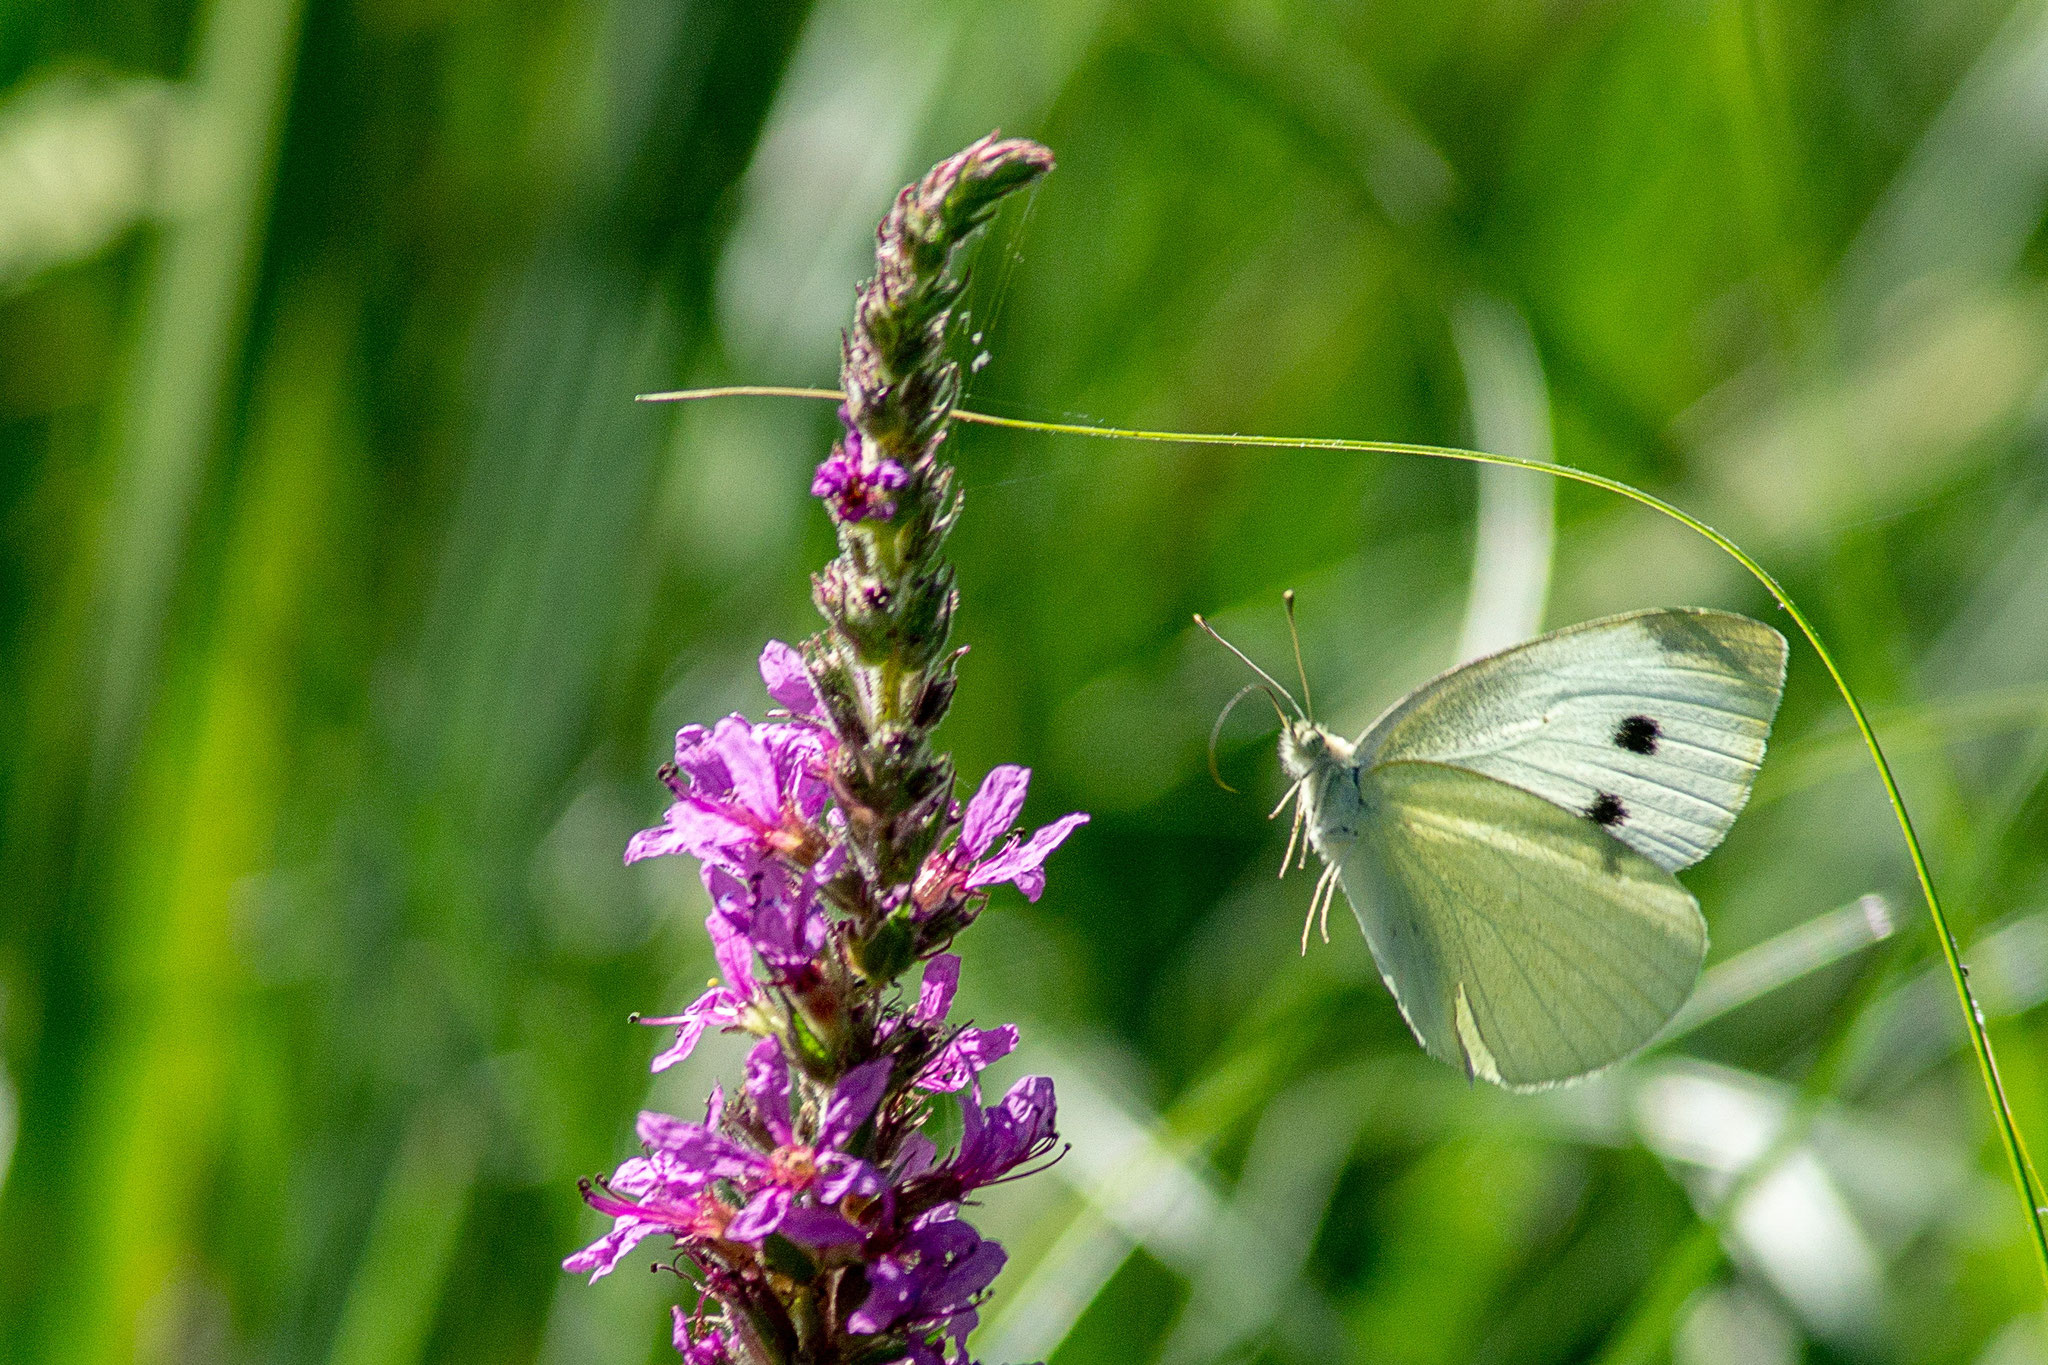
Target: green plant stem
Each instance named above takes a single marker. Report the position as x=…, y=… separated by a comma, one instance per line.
x=2025, y=1181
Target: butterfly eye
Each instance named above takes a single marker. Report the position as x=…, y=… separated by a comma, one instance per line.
x=1638, y=735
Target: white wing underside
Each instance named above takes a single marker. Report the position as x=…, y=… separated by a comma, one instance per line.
x=1652, y=723
x=1522, y=944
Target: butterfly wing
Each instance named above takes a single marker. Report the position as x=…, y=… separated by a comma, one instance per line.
x=1522, y=944
x=1650, y=724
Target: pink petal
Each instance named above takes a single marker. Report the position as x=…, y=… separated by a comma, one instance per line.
x=762, y=1215
x=783, y=672
x=768, y=1087
x=935, y=997
x=687, y=1037
x=659, y=1131
x=654, y=843
x=967, y=1056
x=853, y=1099
x=635, y=1178
x=716, y=1006
x=840, y=1175
x=994, y=809
x=813, y=1228
x=1023, y=864
x=752, y=768
x=692, y=826
x=606, y=1252
x=697, y=757
x=914, y=1156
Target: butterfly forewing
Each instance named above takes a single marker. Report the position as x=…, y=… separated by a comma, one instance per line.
x=1649, y=725
x=1522, y=943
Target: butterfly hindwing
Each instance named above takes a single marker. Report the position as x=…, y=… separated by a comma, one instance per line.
x=1523, y=944
x=1650, y=725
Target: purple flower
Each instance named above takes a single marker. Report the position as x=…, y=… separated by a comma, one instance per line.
x=745, y=793
x=971, y=1050
x=765, y=914
x=997, y=1140
x=668, y=1190
x=966, y=867
x=821, y=1168
x=718, y=1007
x=792, y=1189
x=855, y=488
x=769, y=913
x=929, y=1282
x=706, y=1346
x=725, y=1005
x=811, y=1216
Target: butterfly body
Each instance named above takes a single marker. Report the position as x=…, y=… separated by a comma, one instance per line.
x=1507, y=833
x=1326, y=770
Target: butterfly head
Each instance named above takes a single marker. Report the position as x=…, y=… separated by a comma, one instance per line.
x=1306, y=747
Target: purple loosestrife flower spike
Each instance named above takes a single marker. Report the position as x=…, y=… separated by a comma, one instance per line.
x=883, y=668
x=816, y=1213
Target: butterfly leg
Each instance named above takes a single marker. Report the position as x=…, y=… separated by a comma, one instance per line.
x=1327, y=886
x=1292, y=792
x=1319, y=907
x=1294, y=829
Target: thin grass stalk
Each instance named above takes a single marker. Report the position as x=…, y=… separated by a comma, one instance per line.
x=2026, y=1181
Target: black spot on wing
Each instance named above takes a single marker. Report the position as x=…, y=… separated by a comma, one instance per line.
x=1638, y=735
x=1607, y=810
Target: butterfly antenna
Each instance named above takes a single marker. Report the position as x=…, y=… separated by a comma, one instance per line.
x=1308, y=702
x=1216, y=730
x=1246, y=659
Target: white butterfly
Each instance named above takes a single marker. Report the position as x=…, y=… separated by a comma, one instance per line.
x=1506, y=833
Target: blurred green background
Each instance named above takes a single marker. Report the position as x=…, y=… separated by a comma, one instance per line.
x=349, y=605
